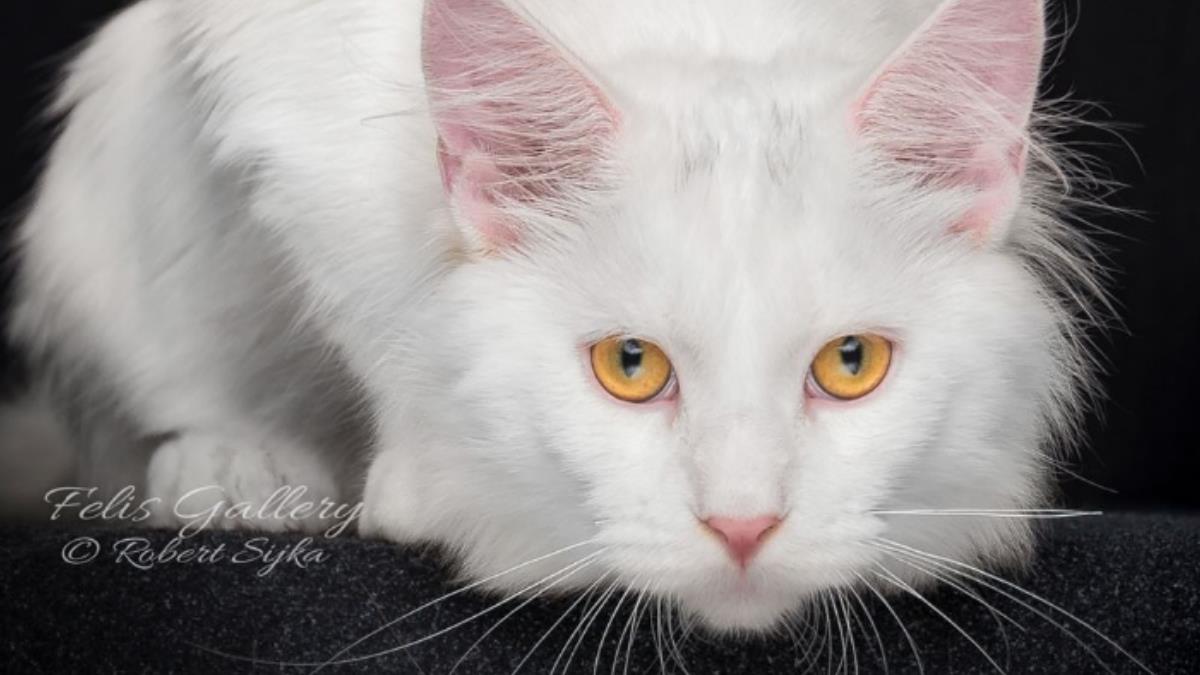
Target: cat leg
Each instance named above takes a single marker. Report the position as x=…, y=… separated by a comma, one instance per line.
x=181, y=332
x=237, y=482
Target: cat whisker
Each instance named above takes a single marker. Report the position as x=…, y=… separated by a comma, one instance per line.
x=1064, y=468
x=885, y=574
x=637, y=625
x=566, y=570
x=865, y=622
x=874, y=629
x=459, y=591
x=567, y=612
x=1045, y=617
x=585, y=623
x=621, y=637
x=517, y=609
x=1042, y=615
x=829, y=624
x=997, y=614
x=843, y=639
x=1027, y=593
x=811, y=639
x=607, y=626
x=630, y=629
x=819, y=629
x=822, y=620
x=588, y=609
x=1027, y=514
x=319, y=665
x=852, y=622
x=656, y=628
x=849, y=628
x=676, y=647
x=983, y=578
x=912, y=644
x=844, y=658
x=792, y=629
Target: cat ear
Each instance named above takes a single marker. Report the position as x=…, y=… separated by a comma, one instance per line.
x=952, y=107
x=518, y=123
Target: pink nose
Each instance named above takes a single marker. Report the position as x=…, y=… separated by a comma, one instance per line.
x=742, y=536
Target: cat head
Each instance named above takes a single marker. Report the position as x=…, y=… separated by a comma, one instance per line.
x=735, y=329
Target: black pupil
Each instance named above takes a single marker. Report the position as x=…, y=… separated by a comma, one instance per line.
x=852, y=355
x=631, y=357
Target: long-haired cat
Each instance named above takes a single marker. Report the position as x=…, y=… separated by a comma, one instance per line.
x=711, y=298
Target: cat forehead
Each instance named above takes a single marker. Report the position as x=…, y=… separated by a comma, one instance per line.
x=732, y=252
x=736, y=141
x=708, y=250
x=739, y=166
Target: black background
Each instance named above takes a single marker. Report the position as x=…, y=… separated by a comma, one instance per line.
x=1140, y=60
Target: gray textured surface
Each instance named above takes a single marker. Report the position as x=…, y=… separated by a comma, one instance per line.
x=1136, y=578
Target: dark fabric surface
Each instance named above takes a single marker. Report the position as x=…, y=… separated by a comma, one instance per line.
x=1135, y=578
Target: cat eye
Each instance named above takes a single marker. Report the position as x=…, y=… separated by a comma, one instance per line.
x=632, y=370
x=851, y=367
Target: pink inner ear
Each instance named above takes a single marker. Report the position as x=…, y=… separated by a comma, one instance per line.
x=953, y=105
x=517, y=121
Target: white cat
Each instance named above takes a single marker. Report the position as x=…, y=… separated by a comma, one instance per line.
x=697, y=294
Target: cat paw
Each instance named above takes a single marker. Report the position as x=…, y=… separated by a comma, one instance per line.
x=205, y=482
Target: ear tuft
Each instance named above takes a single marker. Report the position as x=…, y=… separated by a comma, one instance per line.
x=952, y=107
x=518, y=123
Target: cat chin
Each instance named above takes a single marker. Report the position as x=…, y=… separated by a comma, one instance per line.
x=733, y=604
x=745, y=613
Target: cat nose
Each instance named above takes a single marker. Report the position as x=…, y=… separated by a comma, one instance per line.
x=742, y=537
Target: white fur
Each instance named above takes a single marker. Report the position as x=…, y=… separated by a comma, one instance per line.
x=244, y=206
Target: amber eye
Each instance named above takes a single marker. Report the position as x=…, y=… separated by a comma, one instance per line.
x=851, y=367
x=631, y=370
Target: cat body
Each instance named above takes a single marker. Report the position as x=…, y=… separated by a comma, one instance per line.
x=364, y=246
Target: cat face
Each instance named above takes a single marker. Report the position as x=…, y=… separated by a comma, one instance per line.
x=953, y=425
x=721, y=249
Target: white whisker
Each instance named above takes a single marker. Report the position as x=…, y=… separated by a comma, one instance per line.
x=637, y=622
x=676, y=647
x=567, y=612
x=319, y=665
x=586, y=560
x=517, y=609
x=888, y=576
x=1045, y=617
x=973, y=573
x=1031, y=595
x=585, y=622
x=997, y=614
x=844, y=660
x=657, y=629
x=637, y=599
x=849, y=629
x=451, y=594
x=912, y=644
x=1024, y=514
x=832, y=620
x=608, y=626
x=874, y=629
x=811, y=640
